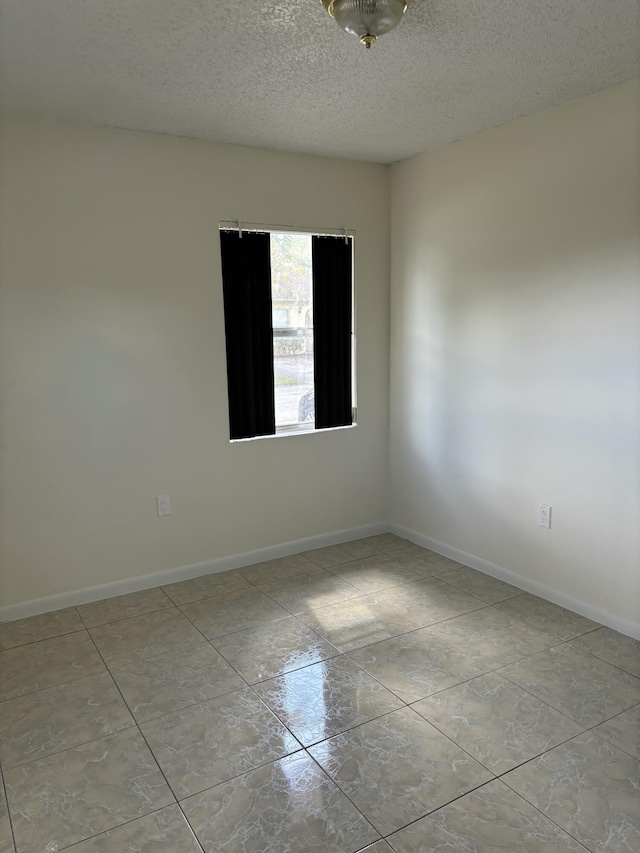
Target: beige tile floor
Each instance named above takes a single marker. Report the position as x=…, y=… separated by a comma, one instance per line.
x=367, y=696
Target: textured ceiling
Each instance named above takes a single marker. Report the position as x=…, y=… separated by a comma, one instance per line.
x=282, y=75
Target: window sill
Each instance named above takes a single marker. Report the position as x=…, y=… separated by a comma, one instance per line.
x=289, y=431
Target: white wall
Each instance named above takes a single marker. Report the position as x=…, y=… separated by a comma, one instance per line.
x=113, y=367
x=514, y=348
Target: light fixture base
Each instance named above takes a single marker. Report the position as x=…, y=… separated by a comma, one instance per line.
x=328, y=5
x=368, y=40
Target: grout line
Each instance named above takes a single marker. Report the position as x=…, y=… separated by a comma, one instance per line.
x=358, y=594
x=344, y=794
x=57, y=683
x=278, y=674
x=239, y=775
x=341, y=731
x=187, y=707
x=297, y=572
x=443, y=806
x=286, y=615
x=190, y=647
x=127, y=822
x=131, y=618
x=42, y=639
x=208, y=597
x=545, y=701
x=48, y=755
x=306, y=666
x=602, y=660
x=615, y=745
x=205, y=597
x=561, y=828
x=117, y=620
x=525, y=761
x=140, y=732
x=541, y=754
x=424, y=720
x=526, y=690
x=464, y=680
x=613, y=716
x=472, y=791
x=242, y=773
x=9, y=818
x=127, y=663
x=450, y=619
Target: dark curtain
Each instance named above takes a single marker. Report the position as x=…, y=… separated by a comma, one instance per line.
x=332, y=307
x=246, y=280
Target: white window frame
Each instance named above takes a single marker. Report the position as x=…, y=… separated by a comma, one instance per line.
x=303, y=428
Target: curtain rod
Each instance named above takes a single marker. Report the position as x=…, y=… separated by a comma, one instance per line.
x=234, y=225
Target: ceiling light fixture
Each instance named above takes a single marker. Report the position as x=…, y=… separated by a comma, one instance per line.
x=367, y=19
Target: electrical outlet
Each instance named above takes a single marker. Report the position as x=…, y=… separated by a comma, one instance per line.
x=164, y=505
x=544, y=516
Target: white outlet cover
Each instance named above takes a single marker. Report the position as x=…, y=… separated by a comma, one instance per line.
x=544, y=516
x=164, y=505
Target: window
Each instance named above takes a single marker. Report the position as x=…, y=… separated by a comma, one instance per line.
x=288, y=304
x=292, y=285
x=280, y=318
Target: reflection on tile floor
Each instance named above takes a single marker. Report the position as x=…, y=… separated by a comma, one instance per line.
x=371, y=696
x=290, y=804
x=398, y=768
x=326, y=698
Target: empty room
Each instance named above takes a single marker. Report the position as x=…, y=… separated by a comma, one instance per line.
x=319, y=426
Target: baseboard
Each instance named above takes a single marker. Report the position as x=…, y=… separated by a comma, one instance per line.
x=236, y=561
x=624, y=626
x=10, y=612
